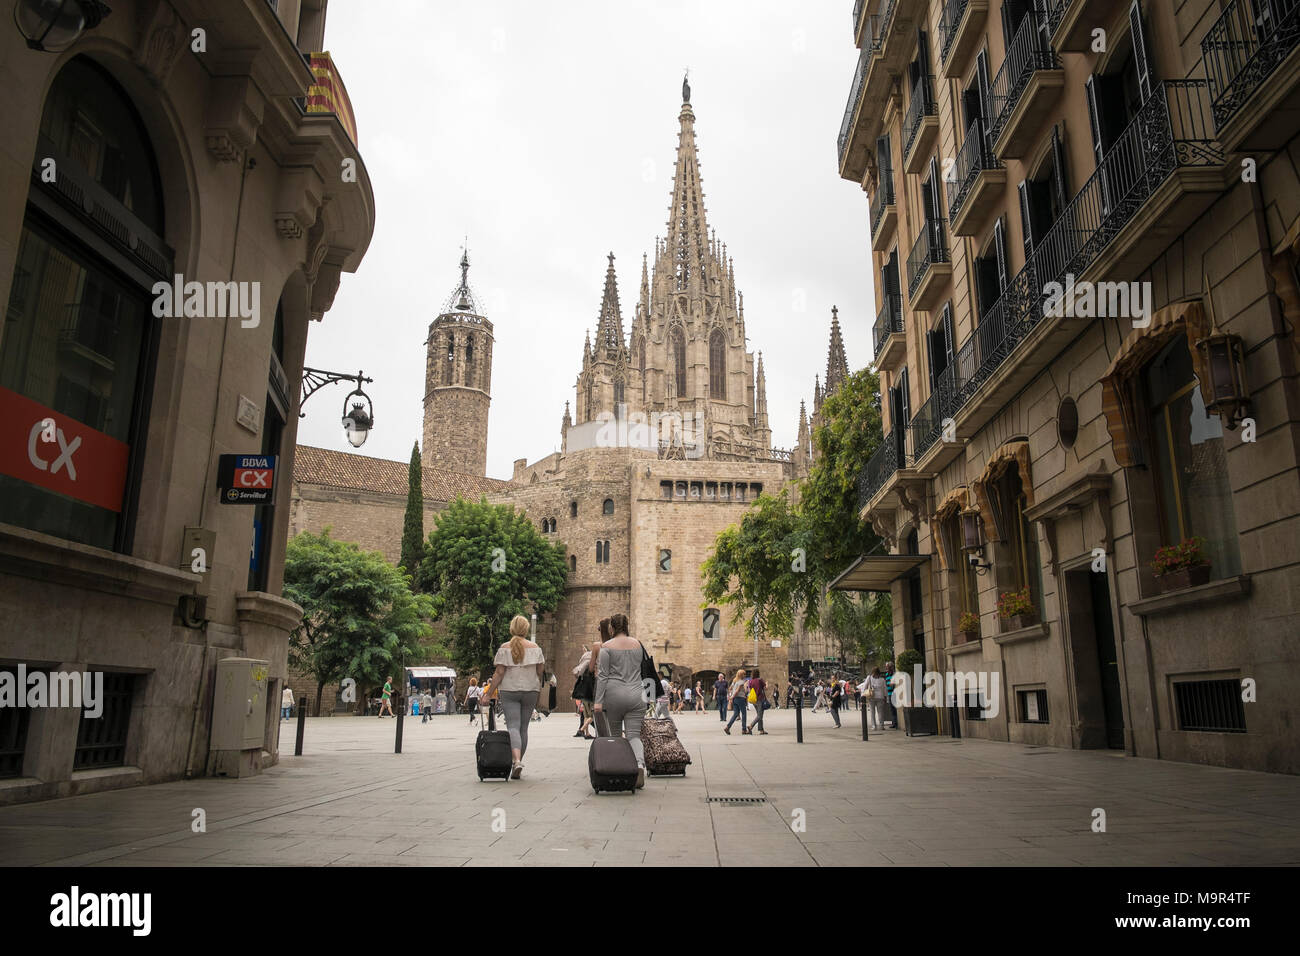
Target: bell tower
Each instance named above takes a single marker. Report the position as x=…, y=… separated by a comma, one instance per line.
x=458, y=383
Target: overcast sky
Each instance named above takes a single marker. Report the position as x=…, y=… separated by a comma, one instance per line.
x=546, y=133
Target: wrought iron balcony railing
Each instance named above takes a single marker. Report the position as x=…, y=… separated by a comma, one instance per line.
x=1243, y=47
x=882, y=23
x=1170, y=131
x=948, y=23
x=930, y=247
x=920, y=105
x=880, y=466
x=888, y=322
x=1024, y=56
x=884, y=197
x=973, y=157
x=857, y=14
x=855, y=93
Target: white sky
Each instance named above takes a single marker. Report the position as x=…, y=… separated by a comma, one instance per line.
x=546, y=133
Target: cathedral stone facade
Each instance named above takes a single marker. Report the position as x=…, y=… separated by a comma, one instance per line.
x=666, y=443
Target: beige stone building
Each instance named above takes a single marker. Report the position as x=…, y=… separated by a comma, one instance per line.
x=1084, y=221
x=669, y=445
x=173, y=141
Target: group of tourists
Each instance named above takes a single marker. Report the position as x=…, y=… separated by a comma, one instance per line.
x=872, y=692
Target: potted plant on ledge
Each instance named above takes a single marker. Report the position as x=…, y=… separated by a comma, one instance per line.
x=1016, y=610
x=917, y=718
x=968, y=625
x=1182, y=565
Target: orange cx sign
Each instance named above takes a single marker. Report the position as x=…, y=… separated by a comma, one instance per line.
x=42, y=447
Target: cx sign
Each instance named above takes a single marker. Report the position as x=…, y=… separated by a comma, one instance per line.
x=246, y=479
x=58, y=453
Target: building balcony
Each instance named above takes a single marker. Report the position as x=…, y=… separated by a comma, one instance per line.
x=879, y=469
x=929, y=266
x=1252, y=65
x=960, y=29
x=1156, y=180
x=887, y=334
x=861, y=12
x=1070, y=29
x=888, y=471
x=1023, y=92
x=855, y=144
x=884, y=212
x=979, y=184
x=931, y=452
x=920, y=126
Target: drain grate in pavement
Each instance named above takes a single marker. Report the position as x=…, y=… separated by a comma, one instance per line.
x=736, y=801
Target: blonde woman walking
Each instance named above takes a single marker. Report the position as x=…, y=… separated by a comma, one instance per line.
x=518, y=680
x=738, y=694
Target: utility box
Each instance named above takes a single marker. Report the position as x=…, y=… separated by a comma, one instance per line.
x=238, y=717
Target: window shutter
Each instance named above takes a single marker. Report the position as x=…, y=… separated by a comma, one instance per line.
x=905, y=398
x=891, y=275
x=931, y=350
x=1141, y=54
x=1058, y=171
x=1039, y=13
x=982, y=78
x=949, y=339
x=923, y=60
x=1006, y=25
x=1094, y=127
x=1026, y=219
x=935, y=207
x=1000, y=246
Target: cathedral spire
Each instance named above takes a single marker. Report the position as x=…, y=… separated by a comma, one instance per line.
x=837, y=365
x=803, y=443
x=688, y=230
x=760, y=396
x=609, y=328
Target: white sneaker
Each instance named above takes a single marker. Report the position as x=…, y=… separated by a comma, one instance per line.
x=517, y=771
x=640, y=777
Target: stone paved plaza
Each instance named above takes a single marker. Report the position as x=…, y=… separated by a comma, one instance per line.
x=892, y=801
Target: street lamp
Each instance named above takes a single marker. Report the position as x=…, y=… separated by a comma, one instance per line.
x=360, y=419
x=54, y=25
x=972, y=533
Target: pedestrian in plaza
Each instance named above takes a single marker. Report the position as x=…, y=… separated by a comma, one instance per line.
x=618, y=688
x=836, y=696
x=426, y=706
x=699, y=698
x=720, y=696
x=736, y=693
x=662, y=701
x=875, y=698
x=890, y=711
x=819, y=697
x=584, y=689
x=776, y=696
x=758, y=689
x=473, y=694
x=286, y=702
x=517, y=679
x=686, y=698
x=386, y=701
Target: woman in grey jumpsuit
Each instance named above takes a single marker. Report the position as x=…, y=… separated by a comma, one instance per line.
x=618, y=688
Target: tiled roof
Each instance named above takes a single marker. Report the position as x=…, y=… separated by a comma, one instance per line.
x=338, y=469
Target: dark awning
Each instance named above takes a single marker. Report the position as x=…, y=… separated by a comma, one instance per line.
x=876, y=572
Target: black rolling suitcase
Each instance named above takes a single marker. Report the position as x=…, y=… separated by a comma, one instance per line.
x=611, y=762
x=492, y=750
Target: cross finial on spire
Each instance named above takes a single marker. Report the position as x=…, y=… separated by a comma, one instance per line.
x=686, y=86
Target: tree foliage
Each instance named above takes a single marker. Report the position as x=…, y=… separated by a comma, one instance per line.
x=486, y=563
x=413, y=523
x=360, y=619
x=776, y=564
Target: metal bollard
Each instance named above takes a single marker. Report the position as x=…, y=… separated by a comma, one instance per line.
x=798, y=719
x=401, y=715
x=302, y=725
x=956, y=721
x=863, y=711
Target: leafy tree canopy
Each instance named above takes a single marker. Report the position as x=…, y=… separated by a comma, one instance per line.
x=486, y=563
x=360, y=619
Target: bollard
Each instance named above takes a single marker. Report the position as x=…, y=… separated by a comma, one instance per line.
x=863, y=711
x=401, y=714
x=956, y=721
x=302, y=725
x=798, y=718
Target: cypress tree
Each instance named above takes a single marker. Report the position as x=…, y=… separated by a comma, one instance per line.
x=413, y=525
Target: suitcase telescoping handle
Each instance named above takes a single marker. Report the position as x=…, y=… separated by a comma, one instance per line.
x=601, y=724
x=492, y=714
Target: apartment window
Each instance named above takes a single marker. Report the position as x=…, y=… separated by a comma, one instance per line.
x=602, y=552
x=992, y=274
x=1043, y=197
x=1115, y=96
x=1188, y=461
x=712, y=624
x=1018, y=564
x=1032, y=706
x=101, y=741
x=1212, y=706
x=665, y=560
x=13, y=731
x=78, y=330
x=608, y=506
x=940, y=347
x=963, y=575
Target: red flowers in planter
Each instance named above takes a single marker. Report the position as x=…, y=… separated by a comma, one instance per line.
x=969, y=623
x=1016, y=604
x=1187, y=553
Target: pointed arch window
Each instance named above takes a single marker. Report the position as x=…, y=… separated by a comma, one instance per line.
x=619, y=393
x=718, y=365
x=677, y=348
x=451, y=347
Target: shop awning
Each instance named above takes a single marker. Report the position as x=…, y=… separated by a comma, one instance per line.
x=431, y=672
x=876, y=572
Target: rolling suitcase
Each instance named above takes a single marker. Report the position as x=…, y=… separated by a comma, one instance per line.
x=611, y=762
x=492, y=750
x=664, y=754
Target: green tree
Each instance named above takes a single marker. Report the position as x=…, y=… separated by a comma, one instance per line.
x=486, y=563
x=413, y=523
x=863, y=625
x=360, y=619
x=778, y=562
